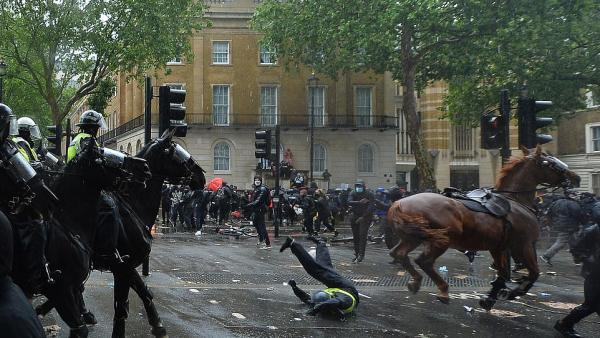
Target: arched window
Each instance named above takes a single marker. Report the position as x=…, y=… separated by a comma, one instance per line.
x=319, y=158
x=138, y=146
x=121, y=148
x=129, y=148
x=221, y=157
x=365, y=158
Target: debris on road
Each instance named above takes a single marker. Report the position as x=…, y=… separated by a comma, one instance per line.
x=52, y=330
x=212, y=301
x=194, y=291
x=238, y=315
x=401, y=273
x=505, y=314
x=560, y=305
x=469, y=309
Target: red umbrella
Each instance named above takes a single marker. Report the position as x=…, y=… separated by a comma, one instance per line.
x=215, y=184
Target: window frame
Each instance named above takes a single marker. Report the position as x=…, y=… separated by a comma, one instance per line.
x=262, y=106
x=597, y=190
x=228, y=113
x=272, y=54
x=310, y=91
x=589, y=140
x=359, y=160
x=215, y=169
x=324, y=159
x=358, y=116
x=176, y=61
x=212, y=54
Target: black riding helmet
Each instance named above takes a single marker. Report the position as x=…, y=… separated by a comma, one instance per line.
x=8, y=123
x=90, y=121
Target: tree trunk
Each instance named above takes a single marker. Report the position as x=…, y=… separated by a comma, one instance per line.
x=409, y=108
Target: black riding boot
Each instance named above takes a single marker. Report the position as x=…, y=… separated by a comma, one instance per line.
x=154, y=320
x=121, y=314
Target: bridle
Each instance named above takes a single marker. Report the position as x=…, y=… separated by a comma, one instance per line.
x=554, y=164
x=176, y=152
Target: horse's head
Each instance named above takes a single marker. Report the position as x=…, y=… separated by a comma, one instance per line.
x=168, y=160
x=550, y=170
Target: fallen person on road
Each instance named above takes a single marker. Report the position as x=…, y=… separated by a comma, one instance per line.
x=339, y=299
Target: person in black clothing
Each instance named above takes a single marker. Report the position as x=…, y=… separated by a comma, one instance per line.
x=340, y=298
x=566, y=217
x=16, y=314
x=585, y=248
x=307, y=204
x=201, y=198
x=165, y=199
x=224, y=197
x=259, y=204
x=323, y=212
x=362, y=207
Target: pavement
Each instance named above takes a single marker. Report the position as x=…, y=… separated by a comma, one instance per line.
x=217, y=286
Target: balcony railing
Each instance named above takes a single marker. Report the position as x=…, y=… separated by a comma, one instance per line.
x=136, y=123
x=301, y=120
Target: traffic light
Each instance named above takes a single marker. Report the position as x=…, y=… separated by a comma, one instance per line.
x=171, y=112
x=263, y=144
x=55, y=138
x=493, y=131
x=529, y=123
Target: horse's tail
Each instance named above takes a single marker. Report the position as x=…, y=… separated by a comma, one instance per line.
x=417, y=226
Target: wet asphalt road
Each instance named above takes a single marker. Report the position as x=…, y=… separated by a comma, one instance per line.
x=215, y=286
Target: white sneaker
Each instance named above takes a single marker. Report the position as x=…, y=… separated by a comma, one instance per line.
x=198, y=233
x=259, y=243
x=265, y=247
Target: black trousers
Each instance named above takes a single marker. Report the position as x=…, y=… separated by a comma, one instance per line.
x=166, y=210
x=591, y=303
x=325, y=222
x=308, y=224
x=258, y=220
x=360, y=232
x=320, y=269
x=30, y=246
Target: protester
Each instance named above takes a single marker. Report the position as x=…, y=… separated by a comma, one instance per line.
x=307, y=204
x=259, y=204
x=361, y=201
x=323, y=212
x=165, y=203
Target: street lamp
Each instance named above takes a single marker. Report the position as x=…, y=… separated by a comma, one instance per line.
x=3, y=70
x=312, y=86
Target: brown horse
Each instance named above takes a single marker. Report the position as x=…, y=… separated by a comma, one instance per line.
x=438, y=223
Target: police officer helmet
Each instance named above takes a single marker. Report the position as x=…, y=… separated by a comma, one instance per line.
x=8, y=123
x=320, y=296
x=91, y=118
x=28, y=129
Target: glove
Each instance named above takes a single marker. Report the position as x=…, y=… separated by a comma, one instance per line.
x=292, y=283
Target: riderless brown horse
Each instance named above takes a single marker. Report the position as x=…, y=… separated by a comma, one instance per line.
x=439, y=222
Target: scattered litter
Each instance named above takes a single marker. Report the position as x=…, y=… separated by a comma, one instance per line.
x=270, y=288
x=559, y=305
x=226, y=270
x=344, y=264
x=52, y=330
x=364, y=281
x=270, y=327
x=297, y=319
x=285, y=283
x=543, y=294
x=531, y=294
x=175, y=269
x=401, y=273
x=364, y=296
x=235, y=280
x=469, y=309
x=505, y=314
x=420, y=302
x=443, y=269
x=461, y=276
x=194, y=290
x=212, y=301
x=238, y=315
x=551, y=273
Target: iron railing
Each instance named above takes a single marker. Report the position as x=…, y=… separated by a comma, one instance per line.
x=300, y=120
x=134, y=124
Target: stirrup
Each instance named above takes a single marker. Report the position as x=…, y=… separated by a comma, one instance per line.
x=51, y=275
x=120, y=259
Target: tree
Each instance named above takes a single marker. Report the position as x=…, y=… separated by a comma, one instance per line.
x=64, y=49
x=99, y=99
x=418, y=41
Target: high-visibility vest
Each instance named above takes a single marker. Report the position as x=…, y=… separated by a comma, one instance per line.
x=75, y=145
x=25, y=149
x=333, y=291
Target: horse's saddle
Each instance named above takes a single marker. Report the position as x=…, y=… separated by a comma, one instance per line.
x=481, y=200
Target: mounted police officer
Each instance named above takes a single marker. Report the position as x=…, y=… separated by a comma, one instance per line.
x=259, y=205
x=109, y=221
x=362, y=207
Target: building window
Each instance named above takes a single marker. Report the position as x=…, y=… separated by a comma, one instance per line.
x=403, y=139
x=268, y=106
x=596, y=184
x=220, y=53
x=267, y=56
x=221, y=105
x=121, y=148
x=364, y=106
x=221, y=157
x=129, y=148
x=365, y=159
x=463, y=141
x=138, y=146
x=592, y=136
x=319, y=158
x=175, y=61
x=317, y=95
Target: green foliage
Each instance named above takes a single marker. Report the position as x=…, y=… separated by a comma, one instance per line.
x=99, y=99
x=64, y=45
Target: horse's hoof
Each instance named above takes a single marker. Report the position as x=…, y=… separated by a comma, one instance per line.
x=414, y=286
x=504, y=294
x=487, y=303
x=159, y=331
x=445, y=299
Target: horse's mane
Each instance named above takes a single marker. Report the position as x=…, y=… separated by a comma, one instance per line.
x=508, y=167
x=144, y=150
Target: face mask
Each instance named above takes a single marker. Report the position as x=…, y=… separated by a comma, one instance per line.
x=359, y=189
x=257, y=183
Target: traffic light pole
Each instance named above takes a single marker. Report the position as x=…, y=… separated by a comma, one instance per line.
x=505, y=113
x=68, y=136
x=277, y=194
x=148, y=110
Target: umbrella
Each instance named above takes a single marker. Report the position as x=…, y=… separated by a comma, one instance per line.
x=215, y=184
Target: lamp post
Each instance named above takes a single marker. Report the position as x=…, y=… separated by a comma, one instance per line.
x=3, y=70
x=312, y=84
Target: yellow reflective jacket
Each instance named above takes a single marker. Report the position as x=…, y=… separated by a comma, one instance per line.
x=25, y=149
x=75, y=145
x=333, y=291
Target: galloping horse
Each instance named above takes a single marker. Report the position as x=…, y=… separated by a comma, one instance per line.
x=439, y=223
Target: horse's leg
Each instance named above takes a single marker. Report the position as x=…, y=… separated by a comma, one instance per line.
x=138, y=285
x=528, y=257
x=68, y=308
x=44, y=308
x=503, y=274
x=400, y=252
x=121, y=301
x=426, y=260
x=88, y=316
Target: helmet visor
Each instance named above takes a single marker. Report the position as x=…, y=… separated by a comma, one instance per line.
x=34, y=131
x=14, y=126
x=102, y=124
